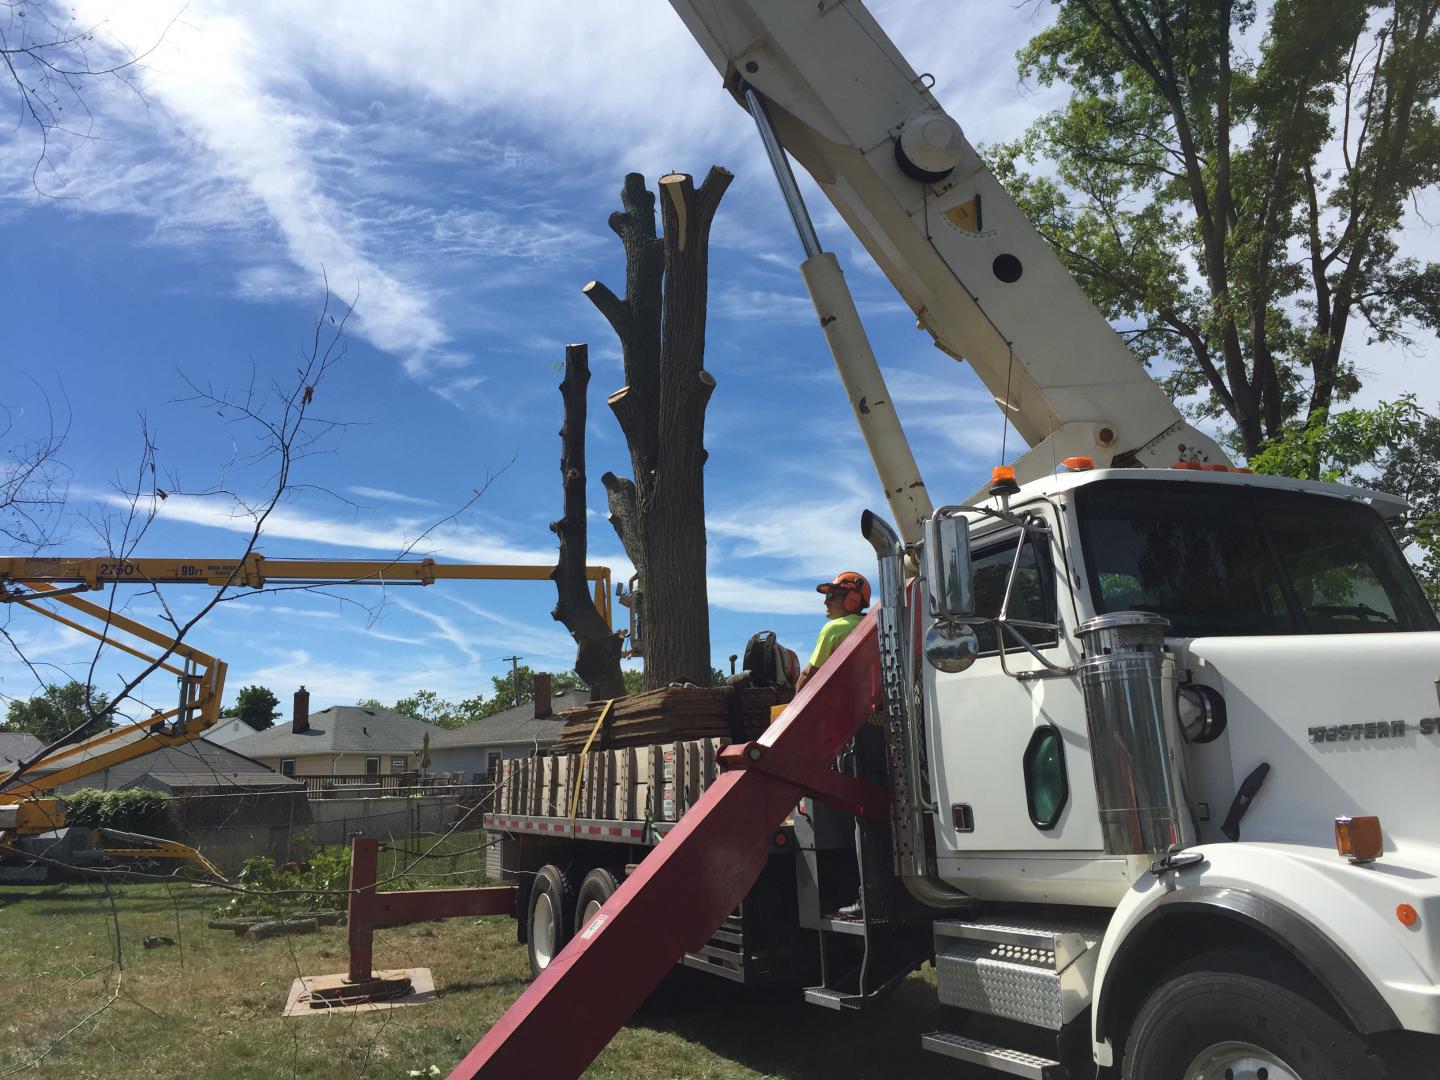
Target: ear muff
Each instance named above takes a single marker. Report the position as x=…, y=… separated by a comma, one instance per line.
x=853, y=601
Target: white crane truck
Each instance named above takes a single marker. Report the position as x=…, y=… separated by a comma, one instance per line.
x=1160, y=736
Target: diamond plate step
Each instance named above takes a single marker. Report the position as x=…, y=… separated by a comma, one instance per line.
x=832, y=999
x=1036, y=971
x=1061, y=943
x=999, y=1058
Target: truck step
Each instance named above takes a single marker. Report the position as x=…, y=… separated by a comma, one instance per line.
x=1015, y=972
x=832, y=999
x=1058, y=944
x=999, y=1058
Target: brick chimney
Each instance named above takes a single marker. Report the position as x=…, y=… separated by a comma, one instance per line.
x=301, y=722
x=542, y=695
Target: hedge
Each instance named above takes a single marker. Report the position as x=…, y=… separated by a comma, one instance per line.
x=134, y=810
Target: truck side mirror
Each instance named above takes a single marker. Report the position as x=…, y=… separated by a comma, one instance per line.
x=949, y=578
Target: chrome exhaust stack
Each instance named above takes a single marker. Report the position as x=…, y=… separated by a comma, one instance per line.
x=909, y=800
x=1134, y=737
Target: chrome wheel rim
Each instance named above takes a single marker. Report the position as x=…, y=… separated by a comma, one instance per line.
x=1239, y=1061
x=542, y=929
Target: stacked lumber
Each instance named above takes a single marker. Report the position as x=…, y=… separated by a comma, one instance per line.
x=658, y=782
x=672, y=713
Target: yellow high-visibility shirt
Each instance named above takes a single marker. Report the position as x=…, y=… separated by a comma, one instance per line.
x=831, y=635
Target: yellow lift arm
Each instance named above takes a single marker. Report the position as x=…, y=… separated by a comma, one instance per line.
x=255, y=571
x=202, y=685
x=202, y=676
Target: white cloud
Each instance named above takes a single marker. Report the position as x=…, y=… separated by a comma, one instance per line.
x=388, y=496
x=465, y=543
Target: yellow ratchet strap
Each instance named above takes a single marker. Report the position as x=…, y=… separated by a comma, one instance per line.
x=580, y=772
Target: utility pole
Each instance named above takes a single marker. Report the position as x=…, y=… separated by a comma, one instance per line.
x=514, y=676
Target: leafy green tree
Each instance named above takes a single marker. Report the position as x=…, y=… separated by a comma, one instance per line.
x=430, y=707
x=1394, y=447
x=515, y=687
x=1238, y=206
x=257, y=706
x=58, y=711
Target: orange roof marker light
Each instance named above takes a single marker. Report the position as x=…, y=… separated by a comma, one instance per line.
x=1359, y=839
x=1002, y=480
x=1193, y=465
x=1079, y=464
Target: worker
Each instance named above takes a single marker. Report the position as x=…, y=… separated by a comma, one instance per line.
x=846, y=597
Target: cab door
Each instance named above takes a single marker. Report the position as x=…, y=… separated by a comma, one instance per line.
x=1010, y=756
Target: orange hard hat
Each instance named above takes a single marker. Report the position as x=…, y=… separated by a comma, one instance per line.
x=854, y=588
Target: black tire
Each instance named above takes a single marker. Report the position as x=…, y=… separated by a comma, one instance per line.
x=1219, y=999
x=550, y=914
x=599, y=885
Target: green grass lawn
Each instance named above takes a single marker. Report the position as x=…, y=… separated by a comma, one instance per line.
x=209, y=1006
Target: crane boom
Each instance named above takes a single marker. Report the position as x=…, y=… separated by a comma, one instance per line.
x=255, y=571
x=988, y=288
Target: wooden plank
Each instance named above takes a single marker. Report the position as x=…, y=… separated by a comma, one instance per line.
x=607, y=788
x=623, y=783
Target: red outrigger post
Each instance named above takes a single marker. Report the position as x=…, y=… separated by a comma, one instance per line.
x=693, y=879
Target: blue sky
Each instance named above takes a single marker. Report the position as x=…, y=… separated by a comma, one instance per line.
x=452, y=172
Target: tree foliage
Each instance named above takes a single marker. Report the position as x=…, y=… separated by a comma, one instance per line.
x=1394, y=447
x=257, y=706
x=1239, y=206
x=429, y=706
x=60, y=710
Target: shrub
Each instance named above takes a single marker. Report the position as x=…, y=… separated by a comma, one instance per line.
x=135, y=810
x=320, y=882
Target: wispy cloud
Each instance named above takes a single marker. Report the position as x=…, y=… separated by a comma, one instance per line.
x=466, y=543
x=386, y=495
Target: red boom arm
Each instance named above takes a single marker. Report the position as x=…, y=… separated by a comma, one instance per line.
x=687, y=886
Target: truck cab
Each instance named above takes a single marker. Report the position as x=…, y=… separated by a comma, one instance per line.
x=1187, y=802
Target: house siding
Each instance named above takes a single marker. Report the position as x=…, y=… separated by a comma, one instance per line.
x=342, y=764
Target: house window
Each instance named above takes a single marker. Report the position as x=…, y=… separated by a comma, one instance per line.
x=397, y=766
x=492, y=763
x=372, y=766
x=287, y=766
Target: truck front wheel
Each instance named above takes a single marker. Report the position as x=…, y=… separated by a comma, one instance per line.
x=552, y=907
x=1215, y=1020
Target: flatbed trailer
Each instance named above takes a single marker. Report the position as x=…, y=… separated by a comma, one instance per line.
x=628, y=800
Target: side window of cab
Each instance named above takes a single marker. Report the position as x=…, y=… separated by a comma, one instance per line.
x=1033, y=597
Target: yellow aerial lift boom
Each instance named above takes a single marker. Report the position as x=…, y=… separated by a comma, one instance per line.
x=37, y=583
x=255, y=571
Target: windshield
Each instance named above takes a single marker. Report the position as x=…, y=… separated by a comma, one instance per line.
x=1225, y=560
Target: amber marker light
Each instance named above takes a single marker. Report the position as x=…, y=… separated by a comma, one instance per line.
x=1079, y=464
x=1407, y=915
x=1002, y=480
x=1359, y=838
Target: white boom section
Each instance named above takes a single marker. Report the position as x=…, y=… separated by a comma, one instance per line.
x=840, y=97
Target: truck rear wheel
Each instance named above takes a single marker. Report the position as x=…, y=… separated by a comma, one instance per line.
x=599, y=885
x=552, y=907
x=1214, y=1020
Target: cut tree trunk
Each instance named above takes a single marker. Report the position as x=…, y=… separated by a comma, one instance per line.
x=597, y=657
x=660, y=513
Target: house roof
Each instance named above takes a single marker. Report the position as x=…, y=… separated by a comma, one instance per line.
x=340, y=729
x=514, y=727
x=14, y=747
x=199, y=764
